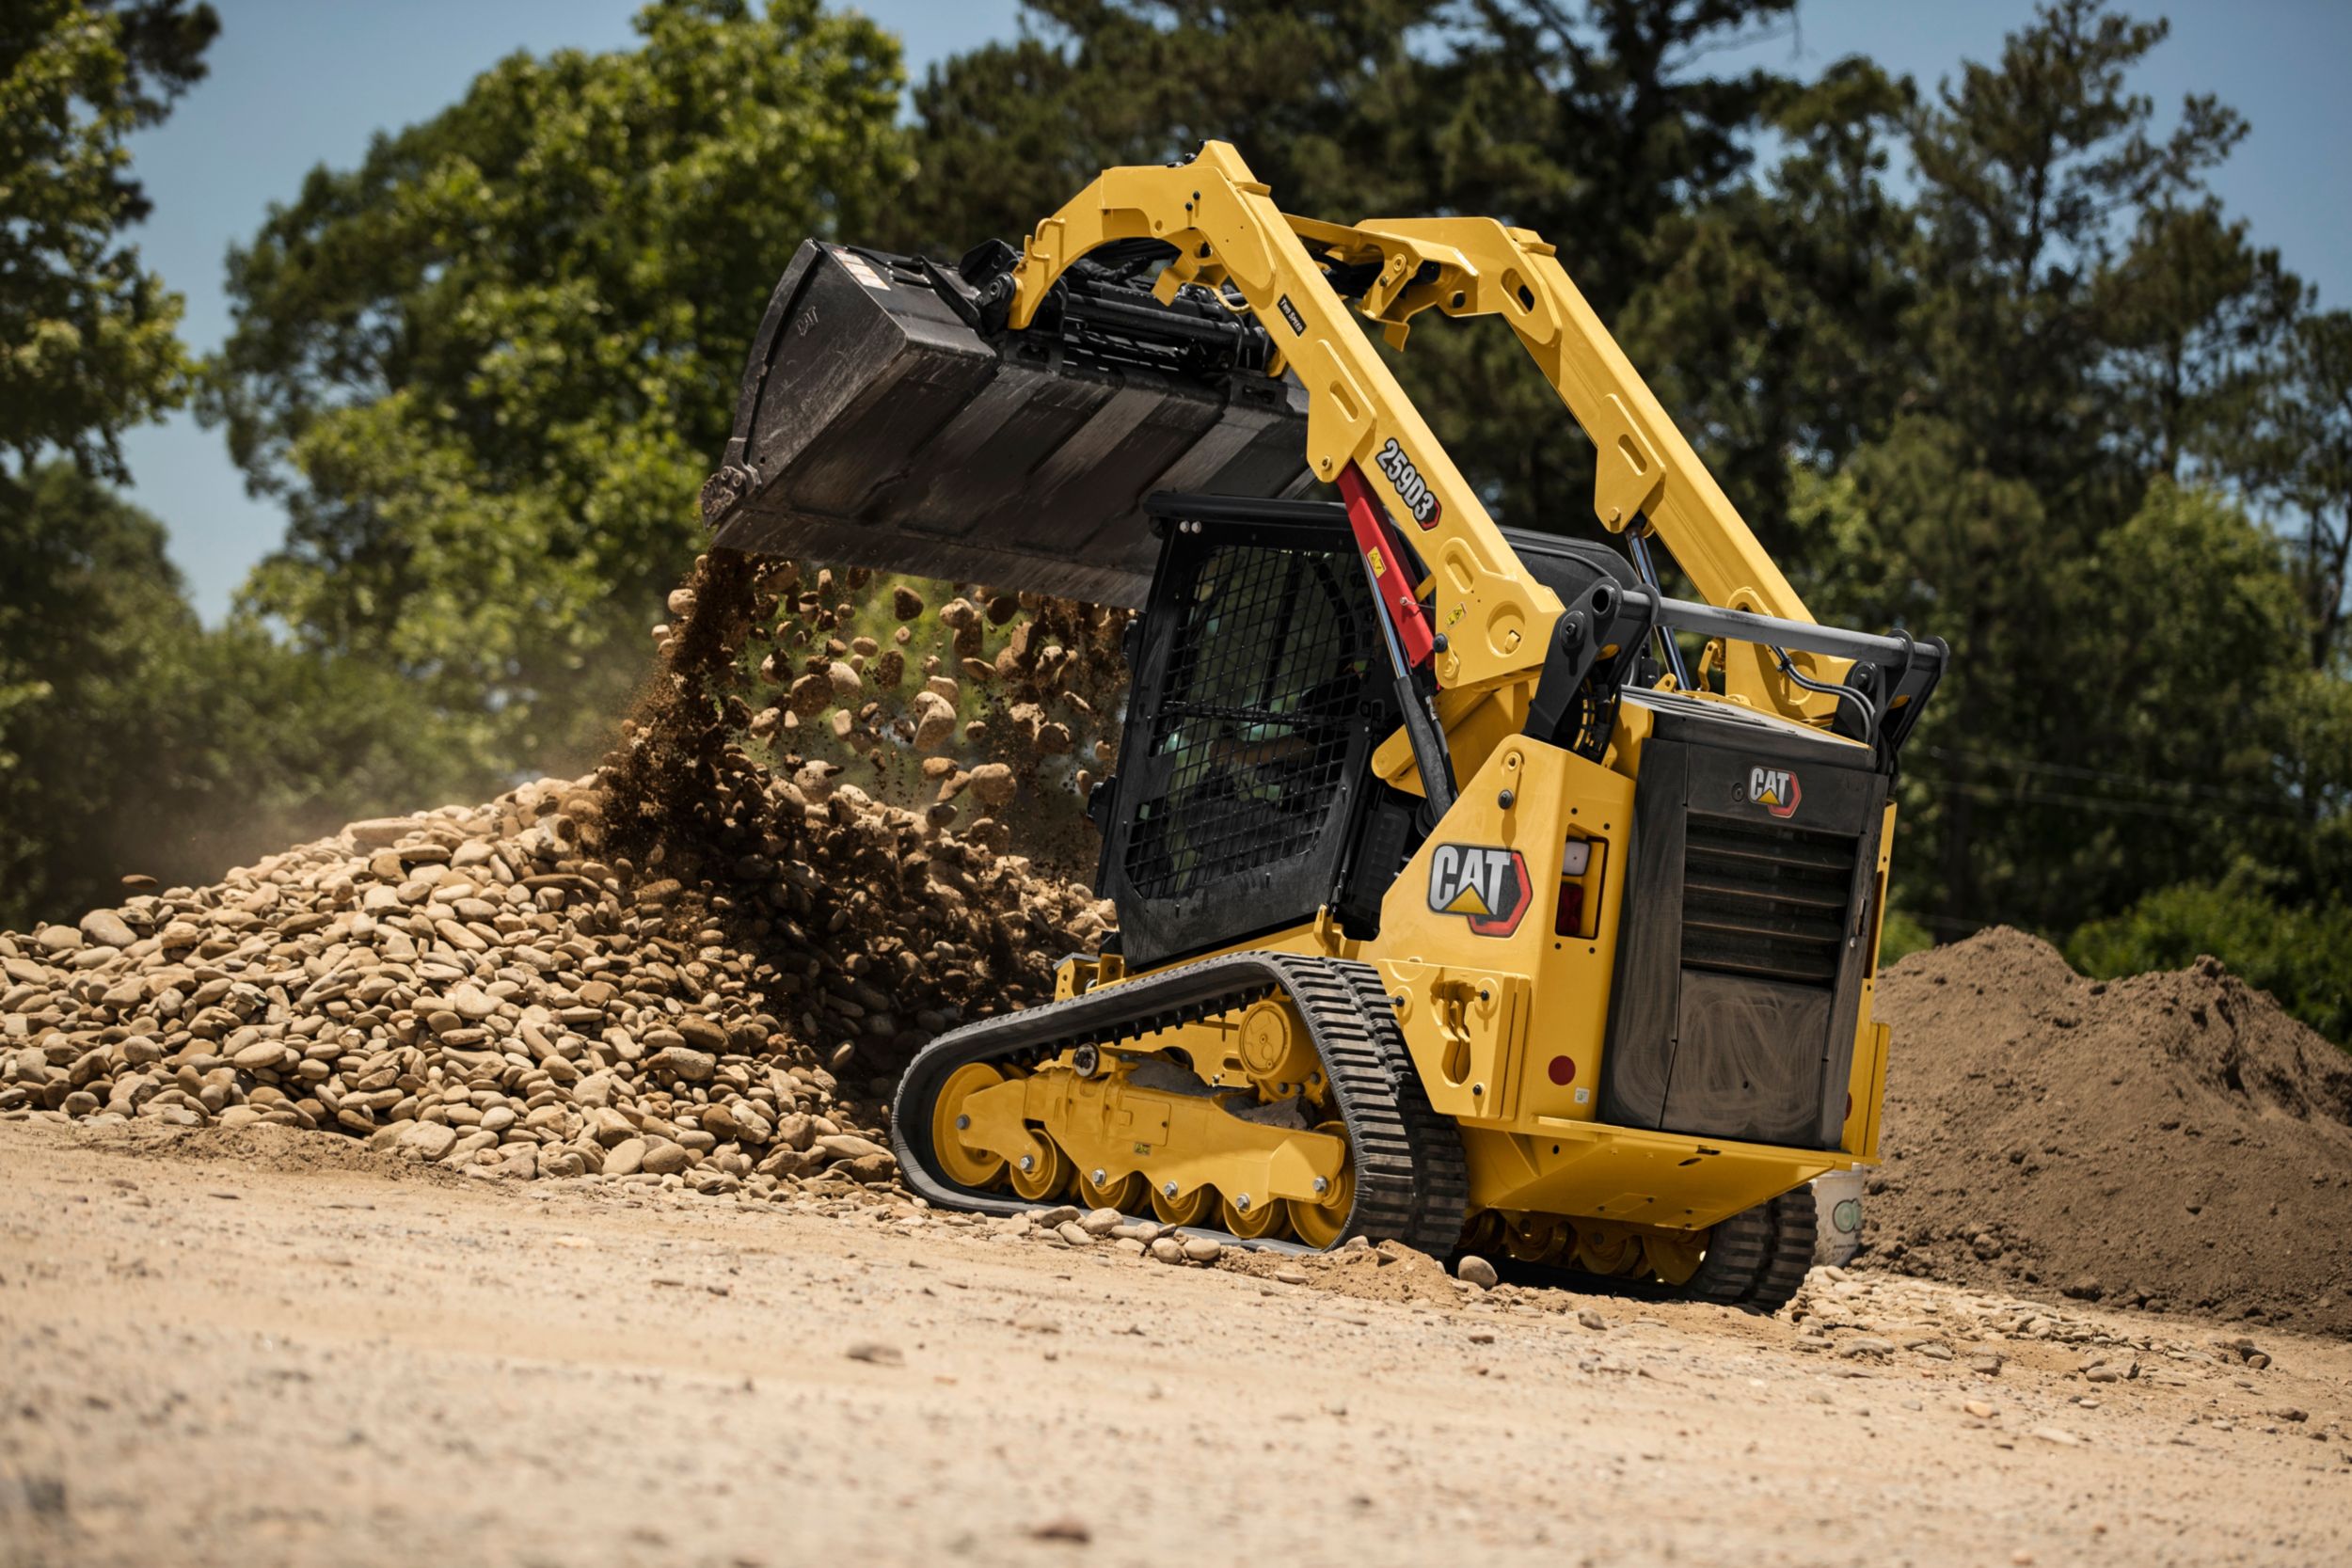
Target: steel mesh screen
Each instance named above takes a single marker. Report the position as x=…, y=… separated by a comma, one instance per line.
x=1264, y=682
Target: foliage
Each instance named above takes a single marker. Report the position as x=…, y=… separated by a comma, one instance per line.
x=88, y=339
x=133, y=739
x=2302, y=953
x=1900, y=936
x=488, y=369
x=1591, y=123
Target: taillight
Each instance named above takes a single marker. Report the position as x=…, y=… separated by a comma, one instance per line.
x=1568, y=918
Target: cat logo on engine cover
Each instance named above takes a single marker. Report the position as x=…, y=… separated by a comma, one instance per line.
x=1488, y=884
x=1776, y=789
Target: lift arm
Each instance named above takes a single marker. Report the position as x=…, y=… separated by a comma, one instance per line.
x=1647, y=476
x=1493, y=618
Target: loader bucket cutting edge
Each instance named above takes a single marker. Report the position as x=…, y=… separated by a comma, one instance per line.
x=877, y=427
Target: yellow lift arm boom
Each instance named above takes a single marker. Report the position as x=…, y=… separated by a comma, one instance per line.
x=1496, y=617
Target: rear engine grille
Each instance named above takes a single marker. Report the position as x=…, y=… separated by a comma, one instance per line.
x=1765, y=898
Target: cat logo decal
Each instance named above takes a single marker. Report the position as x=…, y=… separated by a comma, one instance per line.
x=1776, y=789
x=1487, y=884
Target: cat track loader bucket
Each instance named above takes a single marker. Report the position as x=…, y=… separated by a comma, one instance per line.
x=888, y=418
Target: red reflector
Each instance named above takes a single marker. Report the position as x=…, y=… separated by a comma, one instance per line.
x=1563, y=1069
x=1568, y=918
x=1849, y=1107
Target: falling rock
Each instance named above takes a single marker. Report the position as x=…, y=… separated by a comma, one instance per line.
x=846, y=681
x=994, y=782
x=934, y=721
x=809, y=695
x=905, y=603
x=1476, y=1271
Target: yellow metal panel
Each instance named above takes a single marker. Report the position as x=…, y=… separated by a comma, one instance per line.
x=1866, y=1084
x=1555, y=797
x=1628, y=1174
x=1107, y=1124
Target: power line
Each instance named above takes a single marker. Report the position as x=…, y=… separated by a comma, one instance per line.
x=2174, y=811
x=2076, y=770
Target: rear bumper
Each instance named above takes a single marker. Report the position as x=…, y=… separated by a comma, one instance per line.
x=1633, y=1175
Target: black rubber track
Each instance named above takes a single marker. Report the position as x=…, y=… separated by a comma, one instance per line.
x=1411, y=1184
x=1758, y=1257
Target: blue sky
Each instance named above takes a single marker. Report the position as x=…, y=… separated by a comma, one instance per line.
x=297, y=82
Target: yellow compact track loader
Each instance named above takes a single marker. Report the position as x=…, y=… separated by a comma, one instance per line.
x=1457, y=903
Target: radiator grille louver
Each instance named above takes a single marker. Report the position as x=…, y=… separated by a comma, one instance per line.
x=1765, y=898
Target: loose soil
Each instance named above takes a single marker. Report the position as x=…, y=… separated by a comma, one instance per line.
x=2173, y=1140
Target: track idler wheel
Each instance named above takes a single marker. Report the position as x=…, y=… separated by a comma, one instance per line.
x=1318, y=1225
x=1045, y=1174
x=974, y=1168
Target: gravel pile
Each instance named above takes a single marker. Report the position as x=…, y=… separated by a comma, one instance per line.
x=477, y=987
x=700, y=965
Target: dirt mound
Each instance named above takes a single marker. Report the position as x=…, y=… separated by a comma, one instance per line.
x=2170, y=1141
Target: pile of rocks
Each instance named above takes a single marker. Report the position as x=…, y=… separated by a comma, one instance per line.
x=701, y=964
x=478, y=987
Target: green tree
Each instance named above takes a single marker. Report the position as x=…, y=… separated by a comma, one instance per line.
x=2294, y=449
x=133, y=739
x=1313, y=95
x=88, y=343
x=1774, y=327
x=2019, y=448
x=1593, y=122
x=2299, y=950
x=488, y=369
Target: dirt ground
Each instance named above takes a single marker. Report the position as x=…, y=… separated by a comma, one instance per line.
x=317, y=1356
